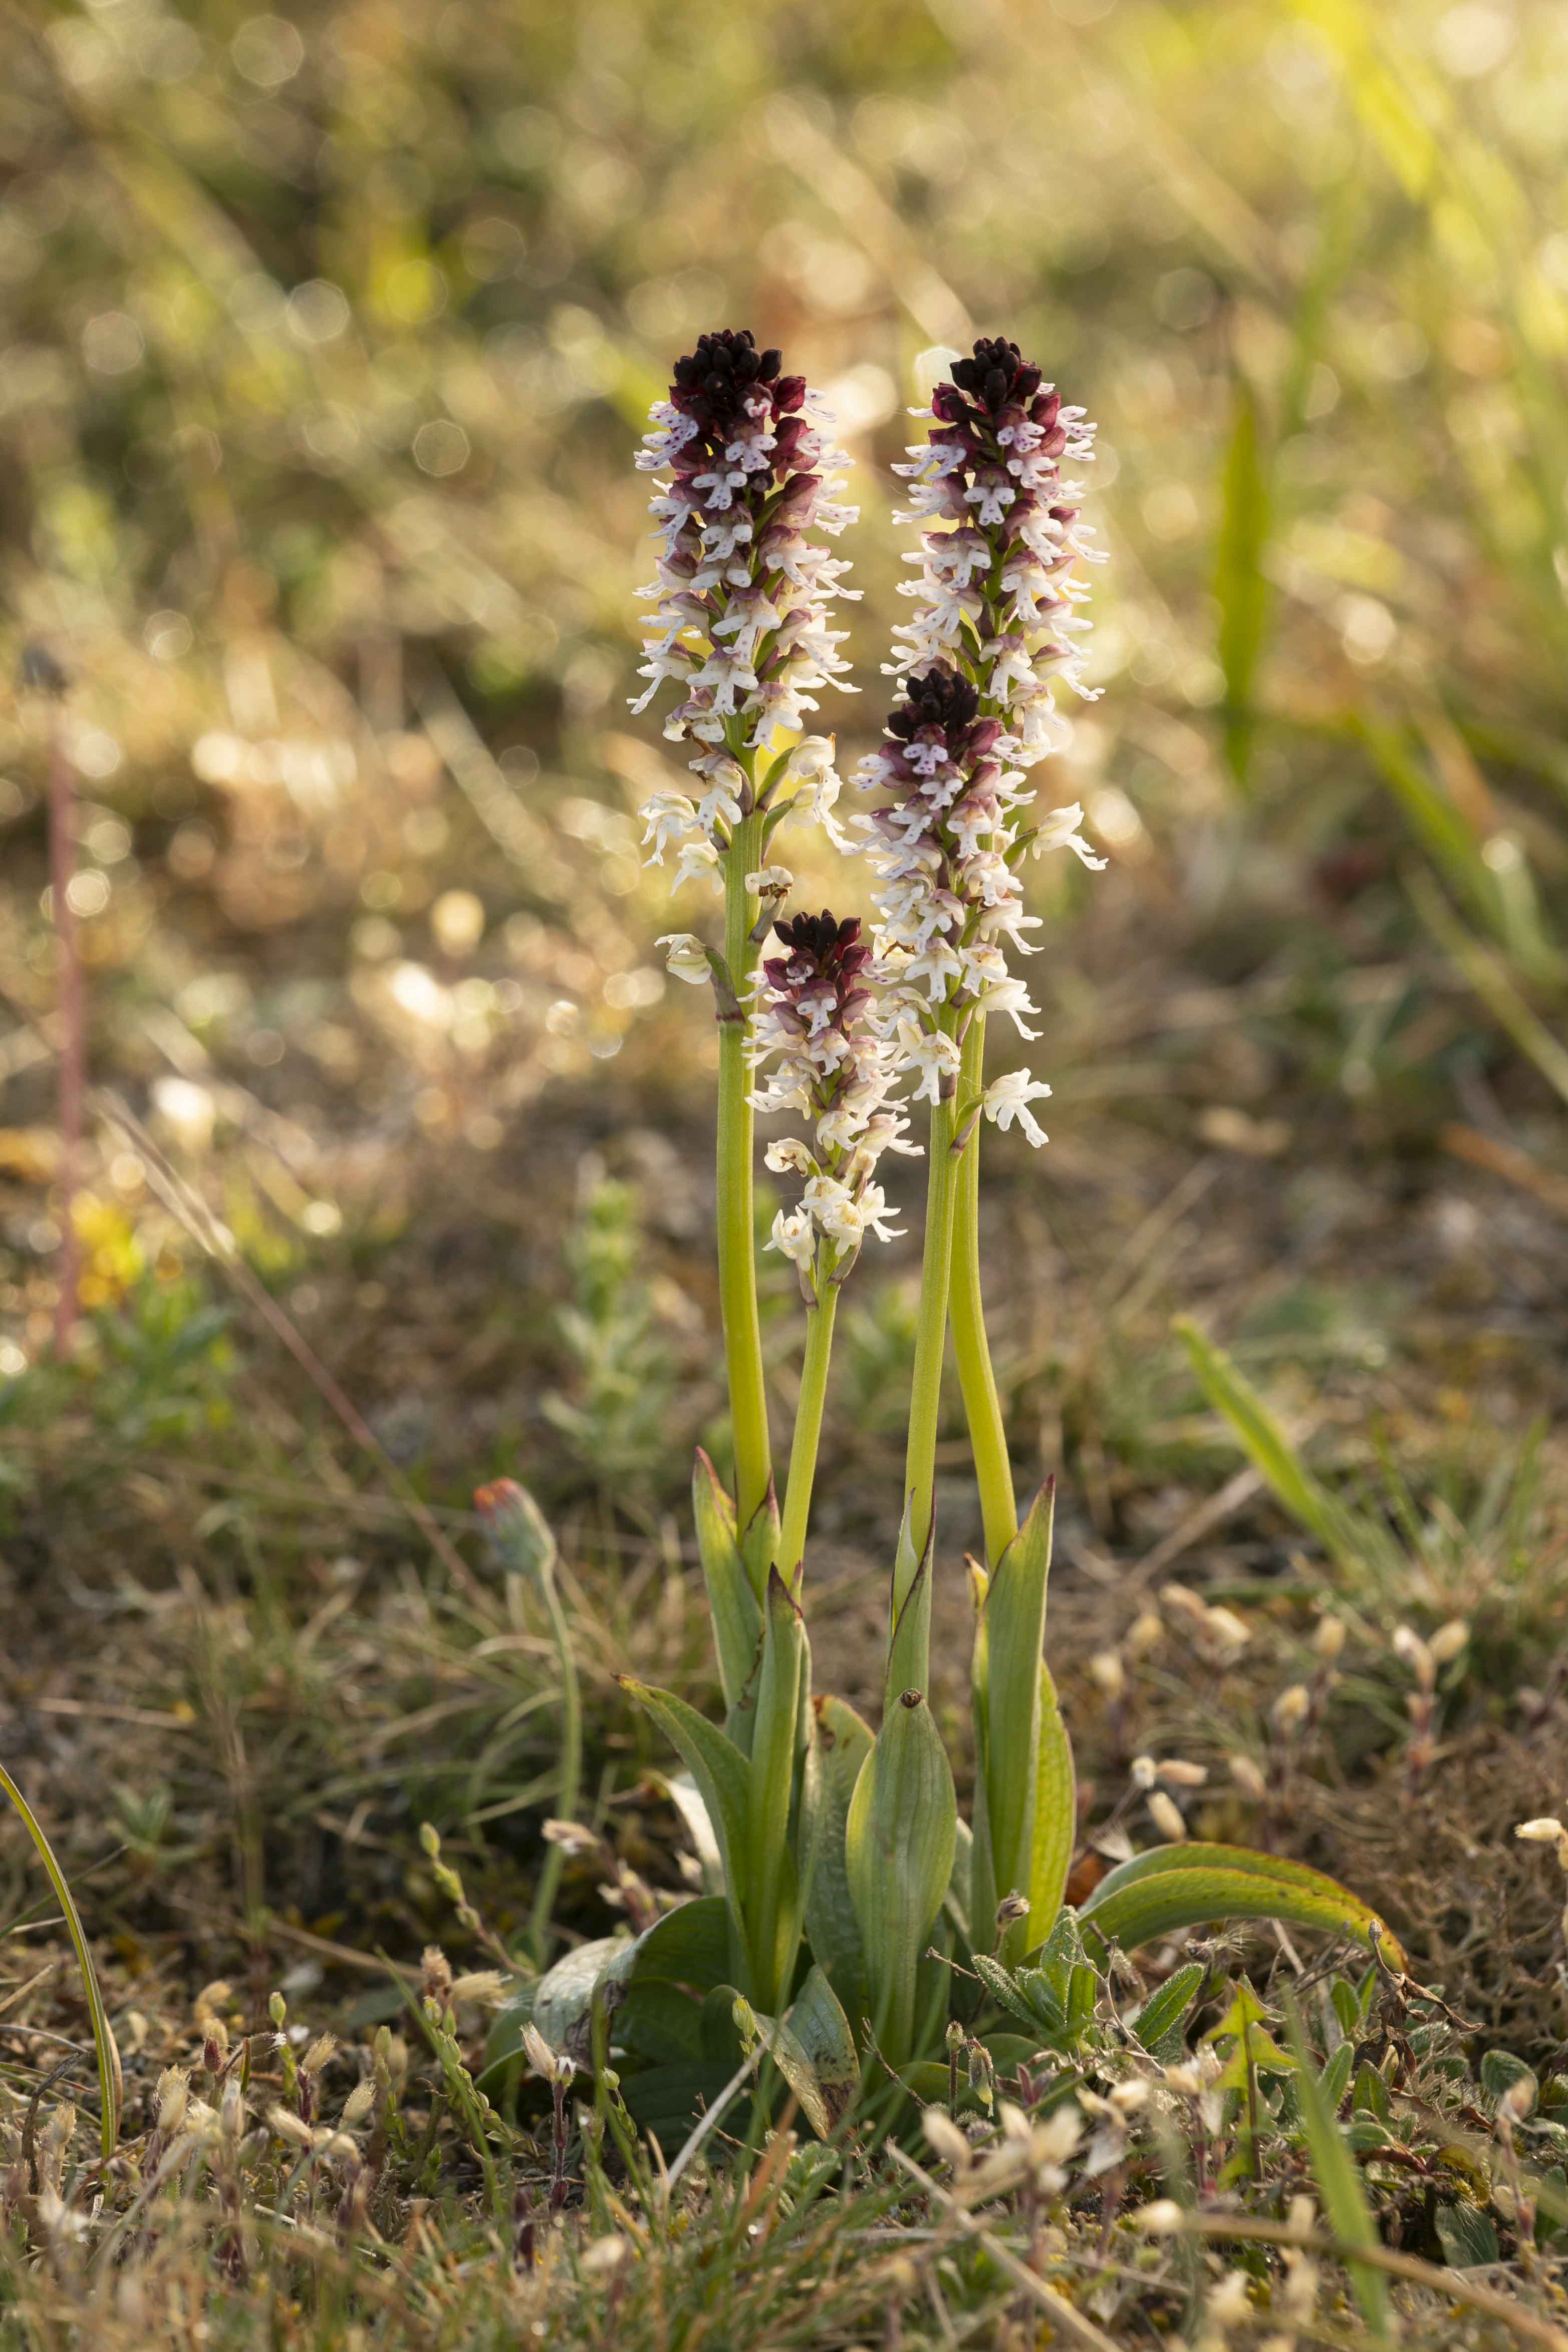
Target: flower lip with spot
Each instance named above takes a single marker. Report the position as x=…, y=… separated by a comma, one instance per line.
x=1008, y=1098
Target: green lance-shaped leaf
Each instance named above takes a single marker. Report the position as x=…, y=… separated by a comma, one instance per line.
x=1007, y=1724
x=898, y=1848
x=983, y=1888
x=1055, y=1809
x=814, y=2050
x=731, y=1598
x=908, y=1643
x=1185, y=1885
x=840, y=1744
x=773, y=1895
x=722, y=1776
x=1338, y=2181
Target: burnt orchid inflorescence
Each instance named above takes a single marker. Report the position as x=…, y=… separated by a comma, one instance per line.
x=742, y=591
x=836, y=1066
x=842, y=1886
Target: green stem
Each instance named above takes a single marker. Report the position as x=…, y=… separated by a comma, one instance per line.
x=568, y=1784
x=931, y=1341
x=807, y=1436
x=981, y=1405
x=737, y=1260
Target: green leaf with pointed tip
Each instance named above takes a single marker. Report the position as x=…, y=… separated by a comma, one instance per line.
x=667, y=2100
x=983, y=1889
x=814, y=2050
x=1055, y=1808
x=1338, y=2181
x=689, y=1945
x=840, y=1744
x=732, y=1601
x=773, y=1898
x=908, y=1646
x=1015, y=1628
x=1165, y=2007
x=723, y=1777
x=1185, y=1885
x=898, y=1848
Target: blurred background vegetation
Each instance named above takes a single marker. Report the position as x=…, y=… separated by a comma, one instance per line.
x=326, y=338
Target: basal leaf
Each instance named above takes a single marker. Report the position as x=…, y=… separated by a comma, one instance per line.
x=1185, y=1885
x=899, y=1849
x=840, y=1744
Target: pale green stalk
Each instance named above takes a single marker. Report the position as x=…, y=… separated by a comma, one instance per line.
x=807, y=1437
x=930, y=1342
x=737, y=1261
x=981, y=1405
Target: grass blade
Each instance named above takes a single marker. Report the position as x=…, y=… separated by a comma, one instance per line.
x=111, y=2087
x=1339, y=2183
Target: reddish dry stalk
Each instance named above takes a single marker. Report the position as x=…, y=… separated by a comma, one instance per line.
x=71, y=1020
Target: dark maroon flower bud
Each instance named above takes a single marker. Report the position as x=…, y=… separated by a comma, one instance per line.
x=788, y=392
x=939, y=698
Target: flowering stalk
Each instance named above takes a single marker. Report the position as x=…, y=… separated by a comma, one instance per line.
x=835, y=1067
x=994, y=627
x=739, y=624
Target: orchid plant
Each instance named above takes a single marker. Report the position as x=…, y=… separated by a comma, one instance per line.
x=841, y=1883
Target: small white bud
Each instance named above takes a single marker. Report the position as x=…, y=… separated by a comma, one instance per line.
x=1141, y=1771
x=1246, y=1776
x=1227, y=1629
x=771, y=882
x=287, y=2126
x=1128, y=2097
x=1177, y=1773
x=1544, y=1831
x=605, y=2256
x=1146, y=1632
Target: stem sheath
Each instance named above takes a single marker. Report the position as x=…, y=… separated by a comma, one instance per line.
x=981, y=1405
x=736, y=1259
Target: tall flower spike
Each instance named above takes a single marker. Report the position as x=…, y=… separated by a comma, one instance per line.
x=995, y=624
x=835, y=1067
x=743, y=592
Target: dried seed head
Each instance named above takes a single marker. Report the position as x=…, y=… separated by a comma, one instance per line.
x=1166, y=1817
x=208, y=2002
x=1519, y=2099
x=1226, y=1629
x=604, y=2256
x=1108, y=1672
x=1127, y=2098
x=435, y=1976
x=1184, y=2079
x=1141, y=1771
x=946, y=2140
x=1246, y=1776
x=1146, y=1632
x=570, y=1836
x=1416, y=1653
x=174, y=2097
x=1291, y=1708
x=319, y=2054
x=1448, y=1640
x=1329, y=1639
x=1013, y=1907
x=1162, y=2219
x=486, y=1986
x=1177, y=1773
x=358, y=2104
x=287, y=2126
